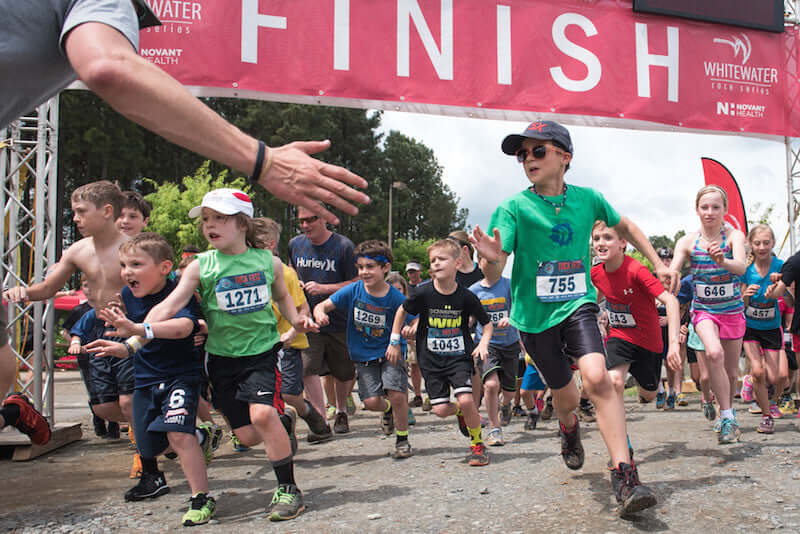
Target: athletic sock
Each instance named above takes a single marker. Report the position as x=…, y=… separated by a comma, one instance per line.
x=726, y=414
x=660, y=386
x=149, y=465
x=201, y=436
x=475, y=435
x=388, y=406
x=402, y=435
x=10, y=413
x=284, y=470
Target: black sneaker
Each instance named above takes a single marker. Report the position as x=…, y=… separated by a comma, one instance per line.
x=631, y=494
x=340, y=424
x=416, y=402
x=113, y=430
x=531, y=420
x=318, y=429
x=505, y=415
x=387, y=422
x=571, y=447
x=289, y=420
x=99, y=424
x=586, y=412
x=518, y=411
x=150, y=486
x=547, y=413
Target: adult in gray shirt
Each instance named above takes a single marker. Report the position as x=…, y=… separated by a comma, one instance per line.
x=47, y=44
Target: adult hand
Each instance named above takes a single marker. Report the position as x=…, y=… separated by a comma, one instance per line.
x=296, y=177
x=488, y=247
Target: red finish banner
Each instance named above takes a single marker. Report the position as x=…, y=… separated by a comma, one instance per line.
x=578, y=61
x=717, y=174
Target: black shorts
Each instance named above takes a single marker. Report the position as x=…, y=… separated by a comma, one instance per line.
x=238, y=382
x=792, y=359
x=691, y=355
x=456, y=374
x=291, y=366
x=504, y=361
x=554, y=349
x=521, y=364
x=645, y=365
x=767, y=339
x=109, y=378
x=170, y=406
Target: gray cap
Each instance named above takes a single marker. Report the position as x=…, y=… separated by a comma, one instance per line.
x=146, y=16
x=542, y=130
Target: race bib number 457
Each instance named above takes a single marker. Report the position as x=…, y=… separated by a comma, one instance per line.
x=243, y=293
x=558, y=281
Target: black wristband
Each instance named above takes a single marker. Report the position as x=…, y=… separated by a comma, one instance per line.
x=262, y=148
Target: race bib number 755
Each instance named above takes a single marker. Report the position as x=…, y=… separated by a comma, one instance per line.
x=558, y=281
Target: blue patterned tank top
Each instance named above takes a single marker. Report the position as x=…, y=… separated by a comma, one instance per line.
x=716, y=290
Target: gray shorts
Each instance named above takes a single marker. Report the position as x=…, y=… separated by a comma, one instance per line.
x=327, y=351
x=377, y=376
x=290, y=364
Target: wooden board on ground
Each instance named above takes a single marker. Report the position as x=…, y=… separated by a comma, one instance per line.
x=24, y=450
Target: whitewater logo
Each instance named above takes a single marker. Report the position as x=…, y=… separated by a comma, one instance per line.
x=176, y=16
x=328, y=264
x=746, y=111
x=739, y=77
x=162, y=56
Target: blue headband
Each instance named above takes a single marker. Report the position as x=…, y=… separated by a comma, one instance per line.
x=379, y=258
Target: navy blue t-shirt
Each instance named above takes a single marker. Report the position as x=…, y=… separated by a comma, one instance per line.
x=163, y=359
x=89, y=328
x=329, y=263
x=369, y=319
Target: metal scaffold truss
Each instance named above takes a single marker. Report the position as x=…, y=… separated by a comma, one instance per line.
x=28, y=167
x=792, y=18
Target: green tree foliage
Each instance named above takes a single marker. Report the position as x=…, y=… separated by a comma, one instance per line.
x=171, y=204
x=405, y=250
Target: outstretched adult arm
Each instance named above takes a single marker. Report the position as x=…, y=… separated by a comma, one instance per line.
x=107, y=63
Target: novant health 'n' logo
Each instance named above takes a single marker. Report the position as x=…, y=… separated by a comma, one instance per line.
x=561, y=234
x=739, y=43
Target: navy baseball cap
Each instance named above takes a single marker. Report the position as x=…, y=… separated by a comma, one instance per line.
x=146, y=16
x=542, y=130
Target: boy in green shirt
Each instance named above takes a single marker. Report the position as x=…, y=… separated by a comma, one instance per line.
x=547, y=227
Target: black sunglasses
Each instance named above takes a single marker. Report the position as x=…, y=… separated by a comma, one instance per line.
x=309, y=220
x=538, y=152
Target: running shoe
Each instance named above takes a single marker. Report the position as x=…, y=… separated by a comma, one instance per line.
x=787, y=405
x=661, y=397
x=495, y=438
x=717, y=427
x=505, y=415
x=289, y=420
x=217, y=436
x=571, y=447
x=682, y=400
x=729, y=432
x=478, y=455
x=113, y=430
x=774, y=411
x=766, y=426
x=531, y=420
x=150, y=486
x=631, y=494
x=754, y=408
x=540, y=405
x=351, y=405
x=747, y=389
x=547, y=412
x=462, y=423
x=30, y=421
x=670, y=404
x=202, y=509
x=411, y=419
x=518, y=411
x=136, y=467
x=237, y=444
x=207, y=432
x=341, y=424
x=402, y=449
x=287, y=503
x=709, y=411
x=318, y=428
x=331, y=412
x=426, y=404
x=387, y=423
x=416, y=402
x=586, y=412
x=99, y=426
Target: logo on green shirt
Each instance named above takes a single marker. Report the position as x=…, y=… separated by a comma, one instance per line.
x=561, y=234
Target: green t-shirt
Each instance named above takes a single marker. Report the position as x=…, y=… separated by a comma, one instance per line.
x=235, y=291
x=551, y=272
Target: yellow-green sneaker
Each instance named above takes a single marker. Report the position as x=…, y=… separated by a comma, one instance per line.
x=287, y=503
x=208, y=441
x=682, y=400
x=201, y=510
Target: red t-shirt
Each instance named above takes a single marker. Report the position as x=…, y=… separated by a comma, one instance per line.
x=630, y=292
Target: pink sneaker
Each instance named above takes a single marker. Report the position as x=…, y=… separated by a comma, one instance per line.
x=747, y=389
x=774, y=411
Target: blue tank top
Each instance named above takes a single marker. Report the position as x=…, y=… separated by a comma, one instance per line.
x=762, y=314
x=716, y=290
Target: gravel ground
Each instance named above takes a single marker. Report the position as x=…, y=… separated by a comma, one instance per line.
x=352, y=485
